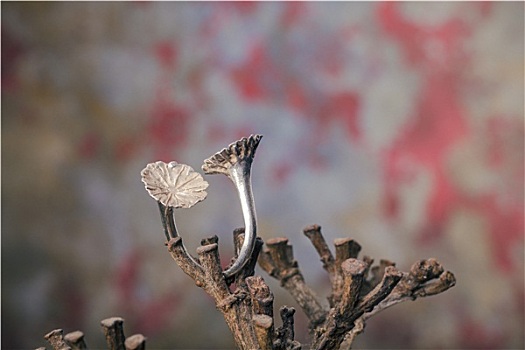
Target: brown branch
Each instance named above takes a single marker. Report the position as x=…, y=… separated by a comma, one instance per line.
x=377, y=273
x=419, y=282
x=76, y=340
x=215, y=284
x=358, y=289
x=285, y=334
x=262, y=297
x=446, y=281
x=390, y=279
x=341, y=318
x=114, y=331
x=264, y=331
x=262, y=309
x=277, y=260
x=187, y=265
x=344, y=249
x=236, y=312
x=313, y=232
x=353, y=271
x=56, y=339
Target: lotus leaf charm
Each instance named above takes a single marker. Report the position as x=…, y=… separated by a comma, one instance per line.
x=173, y=184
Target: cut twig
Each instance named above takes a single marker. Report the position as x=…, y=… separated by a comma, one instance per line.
x=114, y=331
x=345, y=248
x=235, y=310
x=76, y=340
x=391, y=277
x=56, y=339
x=353, y=271
x=285, y=334
x=262, y=297
x=313, y=233
x=186, y=263
x=215, y=284
x=262, y=309
x=278, y=261
x=264, y=331
x=135, y=342
x=419, y=282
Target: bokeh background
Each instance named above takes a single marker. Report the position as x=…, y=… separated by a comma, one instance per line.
x=398, y=124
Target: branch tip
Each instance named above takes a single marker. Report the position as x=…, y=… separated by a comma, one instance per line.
x=135, y=342
x=354, y=267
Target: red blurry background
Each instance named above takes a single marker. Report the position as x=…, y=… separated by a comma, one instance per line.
x=399, y=124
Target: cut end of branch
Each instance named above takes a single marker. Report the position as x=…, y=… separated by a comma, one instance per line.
x=425, y=270
x=446, y=281
x=263, y=321
x=354, y=267
x=112, y=322
x=271, y=242
x=346, y=248
x=135, y=342
x=54, y=333
x=74, y=337
x=311, y=229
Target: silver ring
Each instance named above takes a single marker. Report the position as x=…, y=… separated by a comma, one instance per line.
x=235, y=161
x=176, y=185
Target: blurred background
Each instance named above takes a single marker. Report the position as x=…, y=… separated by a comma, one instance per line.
x=397, y=124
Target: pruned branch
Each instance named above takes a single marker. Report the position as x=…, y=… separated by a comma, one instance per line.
x=359, y=289
x=285, y=334
x=114, y=331
x=76, y=340
x=135, y=342
x=313, y=233
x=277, y=260
x=56, y=339
x=264, y=331
x=262, y=297
x=419, y=282
x=353, y=274
x=185, y=262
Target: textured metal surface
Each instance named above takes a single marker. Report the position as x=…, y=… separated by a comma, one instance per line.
x=235, y=161
x=173, y=184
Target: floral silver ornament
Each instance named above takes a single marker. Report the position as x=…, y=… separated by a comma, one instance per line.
x=235, y=161
x=223, y=161
x=174, y=185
